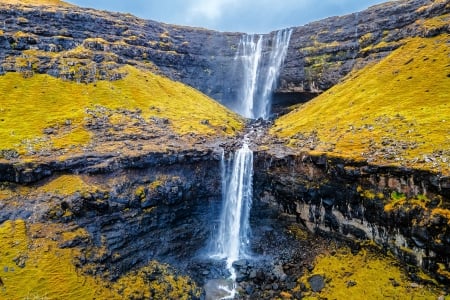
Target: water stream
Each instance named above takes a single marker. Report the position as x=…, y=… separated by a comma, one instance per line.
x=261, y=61
x=261, y=71
x=233, y=236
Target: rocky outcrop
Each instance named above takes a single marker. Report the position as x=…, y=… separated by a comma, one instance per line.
x=143, y=209
x=402, y=210
x=92, y=44
x=323, y=52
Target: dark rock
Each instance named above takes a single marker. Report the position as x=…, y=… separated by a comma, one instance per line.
x=317, y=282
x=351, y=283
x=260, y=276
x=20, y=260
x=239, y=264
x=291, y=285
x=250, y=289
x=394, y=282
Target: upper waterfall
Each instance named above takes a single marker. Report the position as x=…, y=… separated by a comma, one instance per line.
x=260, y=71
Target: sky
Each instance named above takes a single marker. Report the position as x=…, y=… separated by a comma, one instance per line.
x=250, y=16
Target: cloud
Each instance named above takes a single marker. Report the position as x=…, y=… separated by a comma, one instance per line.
x=209, y=9
x=251, y=16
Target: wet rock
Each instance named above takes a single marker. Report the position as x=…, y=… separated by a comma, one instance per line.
x=239, y=264
x=250, y=289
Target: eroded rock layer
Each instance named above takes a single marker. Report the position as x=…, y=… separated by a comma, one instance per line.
x=401, y=210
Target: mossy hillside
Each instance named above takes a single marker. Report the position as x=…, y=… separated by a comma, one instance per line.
x=31, y=105
x=34, y=267
x=67, y=185
x=395, y=112
x=37, y=269
x=365, y=275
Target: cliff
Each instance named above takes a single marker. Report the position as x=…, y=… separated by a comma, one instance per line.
x=320, y=54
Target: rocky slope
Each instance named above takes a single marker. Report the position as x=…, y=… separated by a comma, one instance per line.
x=321, y=53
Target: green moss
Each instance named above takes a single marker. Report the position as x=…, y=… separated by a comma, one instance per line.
x=139, y=193
x=298, y=232
x=394, y=112
x=435, y=23
x=400, y=200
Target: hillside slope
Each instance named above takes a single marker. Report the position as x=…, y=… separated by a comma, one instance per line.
x=43, y=115
x=396, y=112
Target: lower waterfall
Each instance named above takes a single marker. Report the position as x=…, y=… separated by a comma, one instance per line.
x=233, y=235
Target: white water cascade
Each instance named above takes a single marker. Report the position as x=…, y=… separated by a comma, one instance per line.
x=260, y=73
x=232, y=239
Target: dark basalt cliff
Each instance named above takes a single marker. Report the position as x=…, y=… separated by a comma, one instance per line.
x=128, y=208
x=320, y=53
x=353, y=200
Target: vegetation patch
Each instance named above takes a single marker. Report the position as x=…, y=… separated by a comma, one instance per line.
x=395, y=112
x=66, y=185
x=42, y=113
x=365, y=275
x=34, y=267
x=156, y=281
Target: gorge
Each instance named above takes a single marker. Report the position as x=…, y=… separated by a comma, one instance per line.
x=112, y=175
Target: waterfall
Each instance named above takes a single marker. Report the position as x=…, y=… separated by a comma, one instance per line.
x=232, y=239
x=260, y=73
x=251, y=48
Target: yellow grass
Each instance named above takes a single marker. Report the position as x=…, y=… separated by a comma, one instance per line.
x=66, y=185
x=364, y=275
x=403, y=100
x=29, y=105
x=49, y=272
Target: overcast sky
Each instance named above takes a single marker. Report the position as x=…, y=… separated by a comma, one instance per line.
x=251, y=16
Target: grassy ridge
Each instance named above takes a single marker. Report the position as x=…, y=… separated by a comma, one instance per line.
x=395, y=112
x=28, y=106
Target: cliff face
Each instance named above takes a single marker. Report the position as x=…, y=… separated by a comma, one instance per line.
x=320, y=53
x=404, y=211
